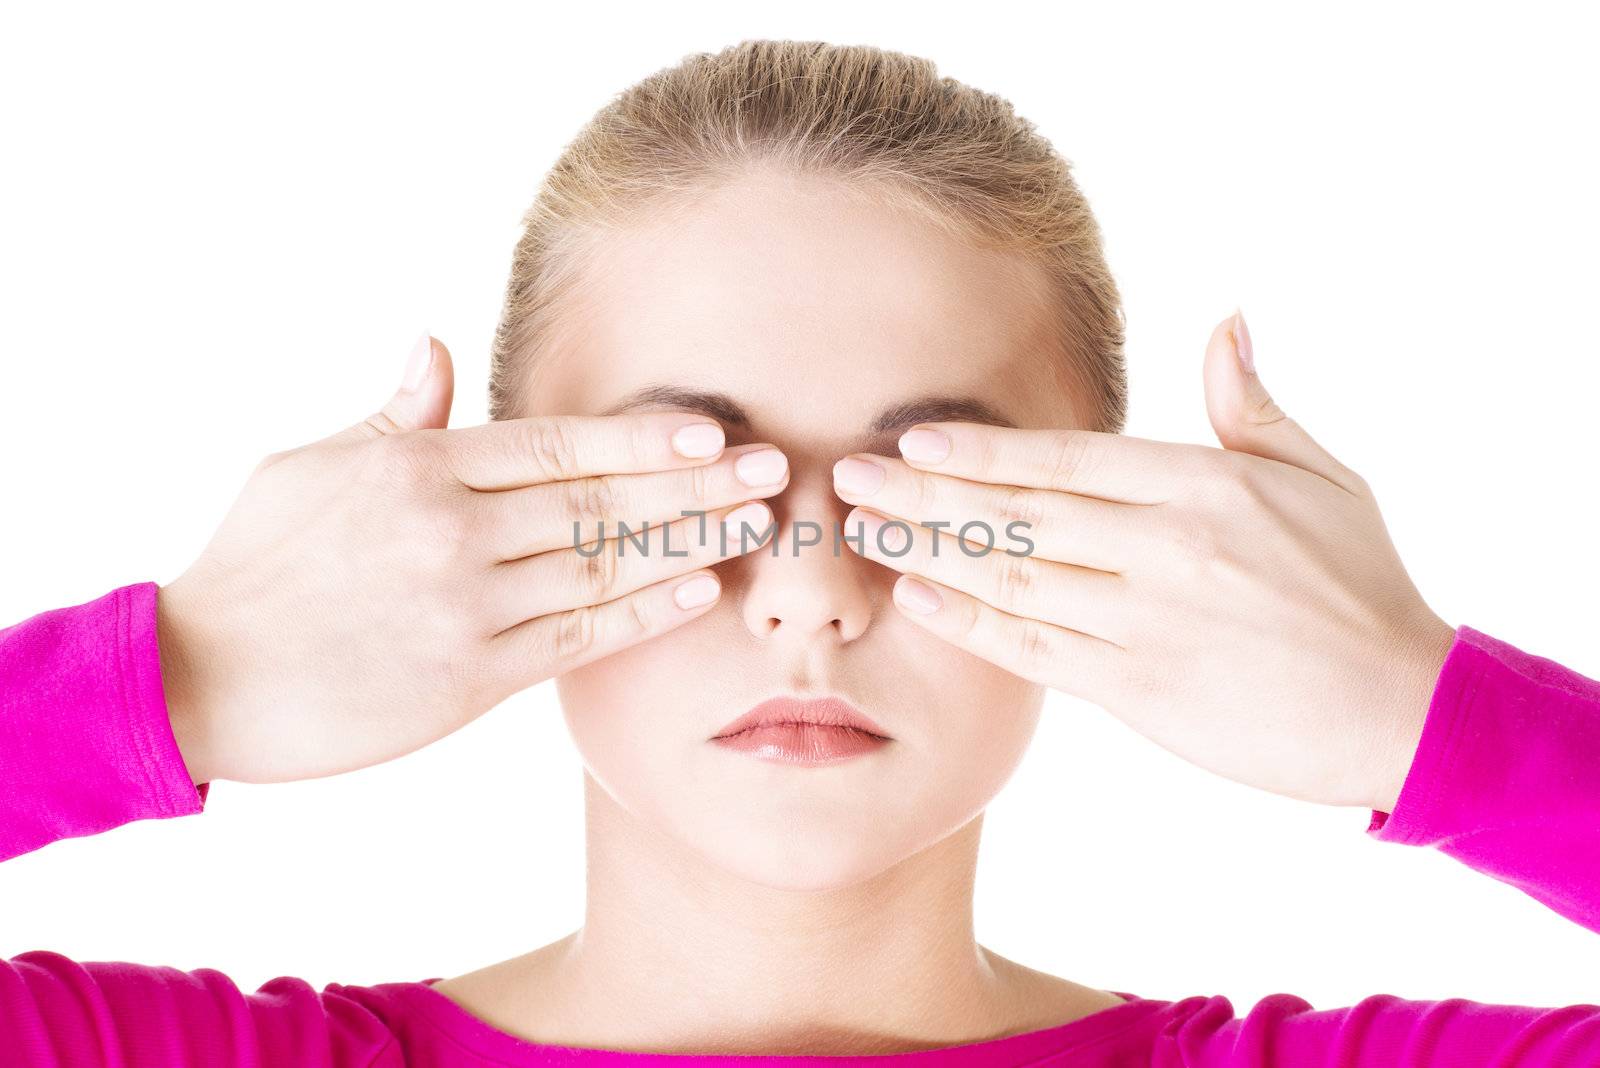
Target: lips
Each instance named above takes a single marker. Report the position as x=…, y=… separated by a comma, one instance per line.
x=807, y=732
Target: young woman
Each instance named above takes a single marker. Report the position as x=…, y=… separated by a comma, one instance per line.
x=821, y=294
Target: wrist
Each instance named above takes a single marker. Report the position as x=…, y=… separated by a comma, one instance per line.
x=179, y=680
x=1422, y=662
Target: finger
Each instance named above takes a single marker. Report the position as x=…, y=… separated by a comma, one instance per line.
x=553, y=644
x=421, y=402
x=1066, y=527
x=552, y=582
x=552, y=515
x=1094, y=602
x=1113, y=467
x=1247, y=419
x=1079, y=664
x=510, y=453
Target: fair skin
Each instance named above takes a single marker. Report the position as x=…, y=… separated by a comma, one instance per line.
x=815, y=312
x=705, y=868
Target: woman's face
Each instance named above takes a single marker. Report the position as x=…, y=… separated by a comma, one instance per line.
x=815, y=312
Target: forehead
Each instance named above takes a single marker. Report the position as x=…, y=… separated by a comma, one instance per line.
x=812, y=306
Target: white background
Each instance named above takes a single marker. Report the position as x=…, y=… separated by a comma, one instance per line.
x=220, y=232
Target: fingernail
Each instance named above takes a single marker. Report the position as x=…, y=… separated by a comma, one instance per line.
x=698, y=440
x=753, y=516
x=1241, y=343
x=917, y=596
x=699, y=590
x=891, y=541
x=925, y=446
x=417, y=365
x=761, y=468
x=861, y=477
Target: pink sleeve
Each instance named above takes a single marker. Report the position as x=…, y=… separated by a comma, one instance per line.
x=85, y=742
x=1382, y=1031
x=56, y=1011
x=1506, y=777
x=85, y=746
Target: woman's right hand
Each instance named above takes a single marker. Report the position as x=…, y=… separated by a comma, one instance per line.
x=376, y=590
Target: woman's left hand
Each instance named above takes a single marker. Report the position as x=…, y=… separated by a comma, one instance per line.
x=1243, y=607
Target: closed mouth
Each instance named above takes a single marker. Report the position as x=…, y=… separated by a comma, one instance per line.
x=803, y=731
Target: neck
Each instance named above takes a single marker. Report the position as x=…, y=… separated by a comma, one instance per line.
x=706, y=961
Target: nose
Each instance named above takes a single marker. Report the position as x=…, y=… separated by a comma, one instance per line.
x=794, y=594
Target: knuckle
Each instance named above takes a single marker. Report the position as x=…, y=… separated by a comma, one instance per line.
x=640, y=616
x=600, y=573
x=1022, y=505
x=553, y=443
x=1247, y=489
x=1197, y=549
x=1228, y=478
x=1264, y=412
x=700, y=484
x=1016, y=579
x=592, y=500
x=576, y=632
x=972, y=627
x=924, y=494
x=1036, y=646
x=382, y=424
x=1065, y=458
x=986, y=451
x=643, y=437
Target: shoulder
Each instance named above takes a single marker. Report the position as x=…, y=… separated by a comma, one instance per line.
x=168, y=1015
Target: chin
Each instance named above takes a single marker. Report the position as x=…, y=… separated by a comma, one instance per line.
x=804, y=859
x=810, y=874
x=790, y=832
x=810, y=841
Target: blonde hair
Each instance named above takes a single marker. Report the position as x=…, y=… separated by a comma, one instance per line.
x=877, y=119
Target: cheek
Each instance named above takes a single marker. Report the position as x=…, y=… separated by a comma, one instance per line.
x=986, y=718
x=640, y=719
x=626, y=712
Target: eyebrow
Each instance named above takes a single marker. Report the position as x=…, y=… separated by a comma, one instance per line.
x=719, y=406
x=936, y=410
x=891, y=420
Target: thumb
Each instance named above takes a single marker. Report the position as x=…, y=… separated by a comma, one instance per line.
x=1247, y=419
x=423, y=400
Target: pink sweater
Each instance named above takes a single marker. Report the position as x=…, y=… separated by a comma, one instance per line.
x=1506, y=779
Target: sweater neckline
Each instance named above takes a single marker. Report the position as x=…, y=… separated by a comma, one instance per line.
x=483, y=1038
